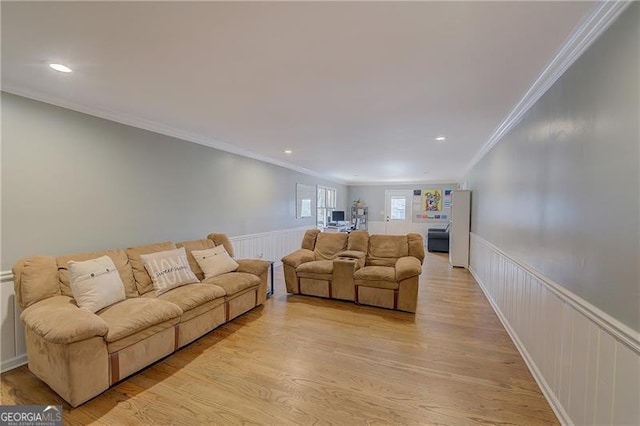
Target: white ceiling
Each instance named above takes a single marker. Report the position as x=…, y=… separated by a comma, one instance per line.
x=358, y=90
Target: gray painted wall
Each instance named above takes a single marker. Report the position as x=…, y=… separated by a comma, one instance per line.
x=373, y=195
x=561, y=191
x=72, y=183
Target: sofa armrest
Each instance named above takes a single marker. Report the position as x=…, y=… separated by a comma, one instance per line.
x=253, y=266
x=354, y=254
x=299, y=257
x=407, y=267
x=59, y=320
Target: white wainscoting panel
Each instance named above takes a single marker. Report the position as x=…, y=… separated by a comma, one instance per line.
x=586, y=362
x=268, y=245
x=378, y=227
x=12, y=345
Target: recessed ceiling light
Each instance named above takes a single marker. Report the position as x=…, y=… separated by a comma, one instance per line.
x=441, y=138
x=288, y=151
x=60, y=67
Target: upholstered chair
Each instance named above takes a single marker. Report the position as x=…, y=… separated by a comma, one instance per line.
x=392, y=269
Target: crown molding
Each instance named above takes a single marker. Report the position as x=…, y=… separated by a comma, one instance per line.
x=156, y=127
x=388, y=184
x=585, y=33
x=580, y=39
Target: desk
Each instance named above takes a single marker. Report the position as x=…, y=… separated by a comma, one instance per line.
x=335, y=229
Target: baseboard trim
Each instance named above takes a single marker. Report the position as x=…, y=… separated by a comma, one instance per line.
x=583, y=360
x=548, y=393
x=12, y=363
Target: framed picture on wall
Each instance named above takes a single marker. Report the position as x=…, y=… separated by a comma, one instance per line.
x=305, y=201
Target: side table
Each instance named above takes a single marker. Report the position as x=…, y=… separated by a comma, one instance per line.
x=270, y=286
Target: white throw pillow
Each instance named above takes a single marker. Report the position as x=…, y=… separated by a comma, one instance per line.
x=214, y=261
x=95, y=283
x=168, y=269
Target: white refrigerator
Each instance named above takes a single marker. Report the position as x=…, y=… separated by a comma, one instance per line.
x=460, y=227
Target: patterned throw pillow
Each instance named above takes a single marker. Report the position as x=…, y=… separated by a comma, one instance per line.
x=168, y=269
x=214, y=261
x=95, y=283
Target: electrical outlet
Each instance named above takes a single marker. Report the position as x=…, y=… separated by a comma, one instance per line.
x=260, y=255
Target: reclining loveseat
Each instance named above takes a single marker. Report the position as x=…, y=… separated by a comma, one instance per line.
x=80, y=353
x=376, y=270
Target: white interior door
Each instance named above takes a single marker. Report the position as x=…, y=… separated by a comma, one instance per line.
x=397, y=212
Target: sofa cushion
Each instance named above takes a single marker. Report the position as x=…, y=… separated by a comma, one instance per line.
x=358, y=241
x=142, y=279
x=309, y=239
x=191, y=296
x=35, y=278
x=222, y=240
x=120, y=259
x=168, y=269
x=95, y=283
x=234, y=282
x=134, y=315
x=196, y=245
x=215, y=261
x=376, y=276
x=385, y=250
x=416, y=246
x=375, y=273
x=317, y=270
x=316, y=267
x=328, y=245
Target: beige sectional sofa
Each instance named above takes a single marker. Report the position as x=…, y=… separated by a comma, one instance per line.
x=377, y=270
x=80, y=354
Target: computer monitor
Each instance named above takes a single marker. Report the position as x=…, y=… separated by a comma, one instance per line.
x=337, y=216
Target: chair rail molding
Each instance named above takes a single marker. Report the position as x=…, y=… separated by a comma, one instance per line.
x=586, y=362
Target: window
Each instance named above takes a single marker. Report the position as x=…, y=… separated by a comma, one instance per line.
x=326, y=204
x=398, y=208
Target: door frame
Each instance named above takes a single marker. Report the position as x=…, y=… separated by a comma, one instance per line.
x=391, y=228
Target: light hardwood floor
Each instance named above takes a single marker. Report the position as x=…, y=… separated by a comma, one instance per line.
x=304, y=360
